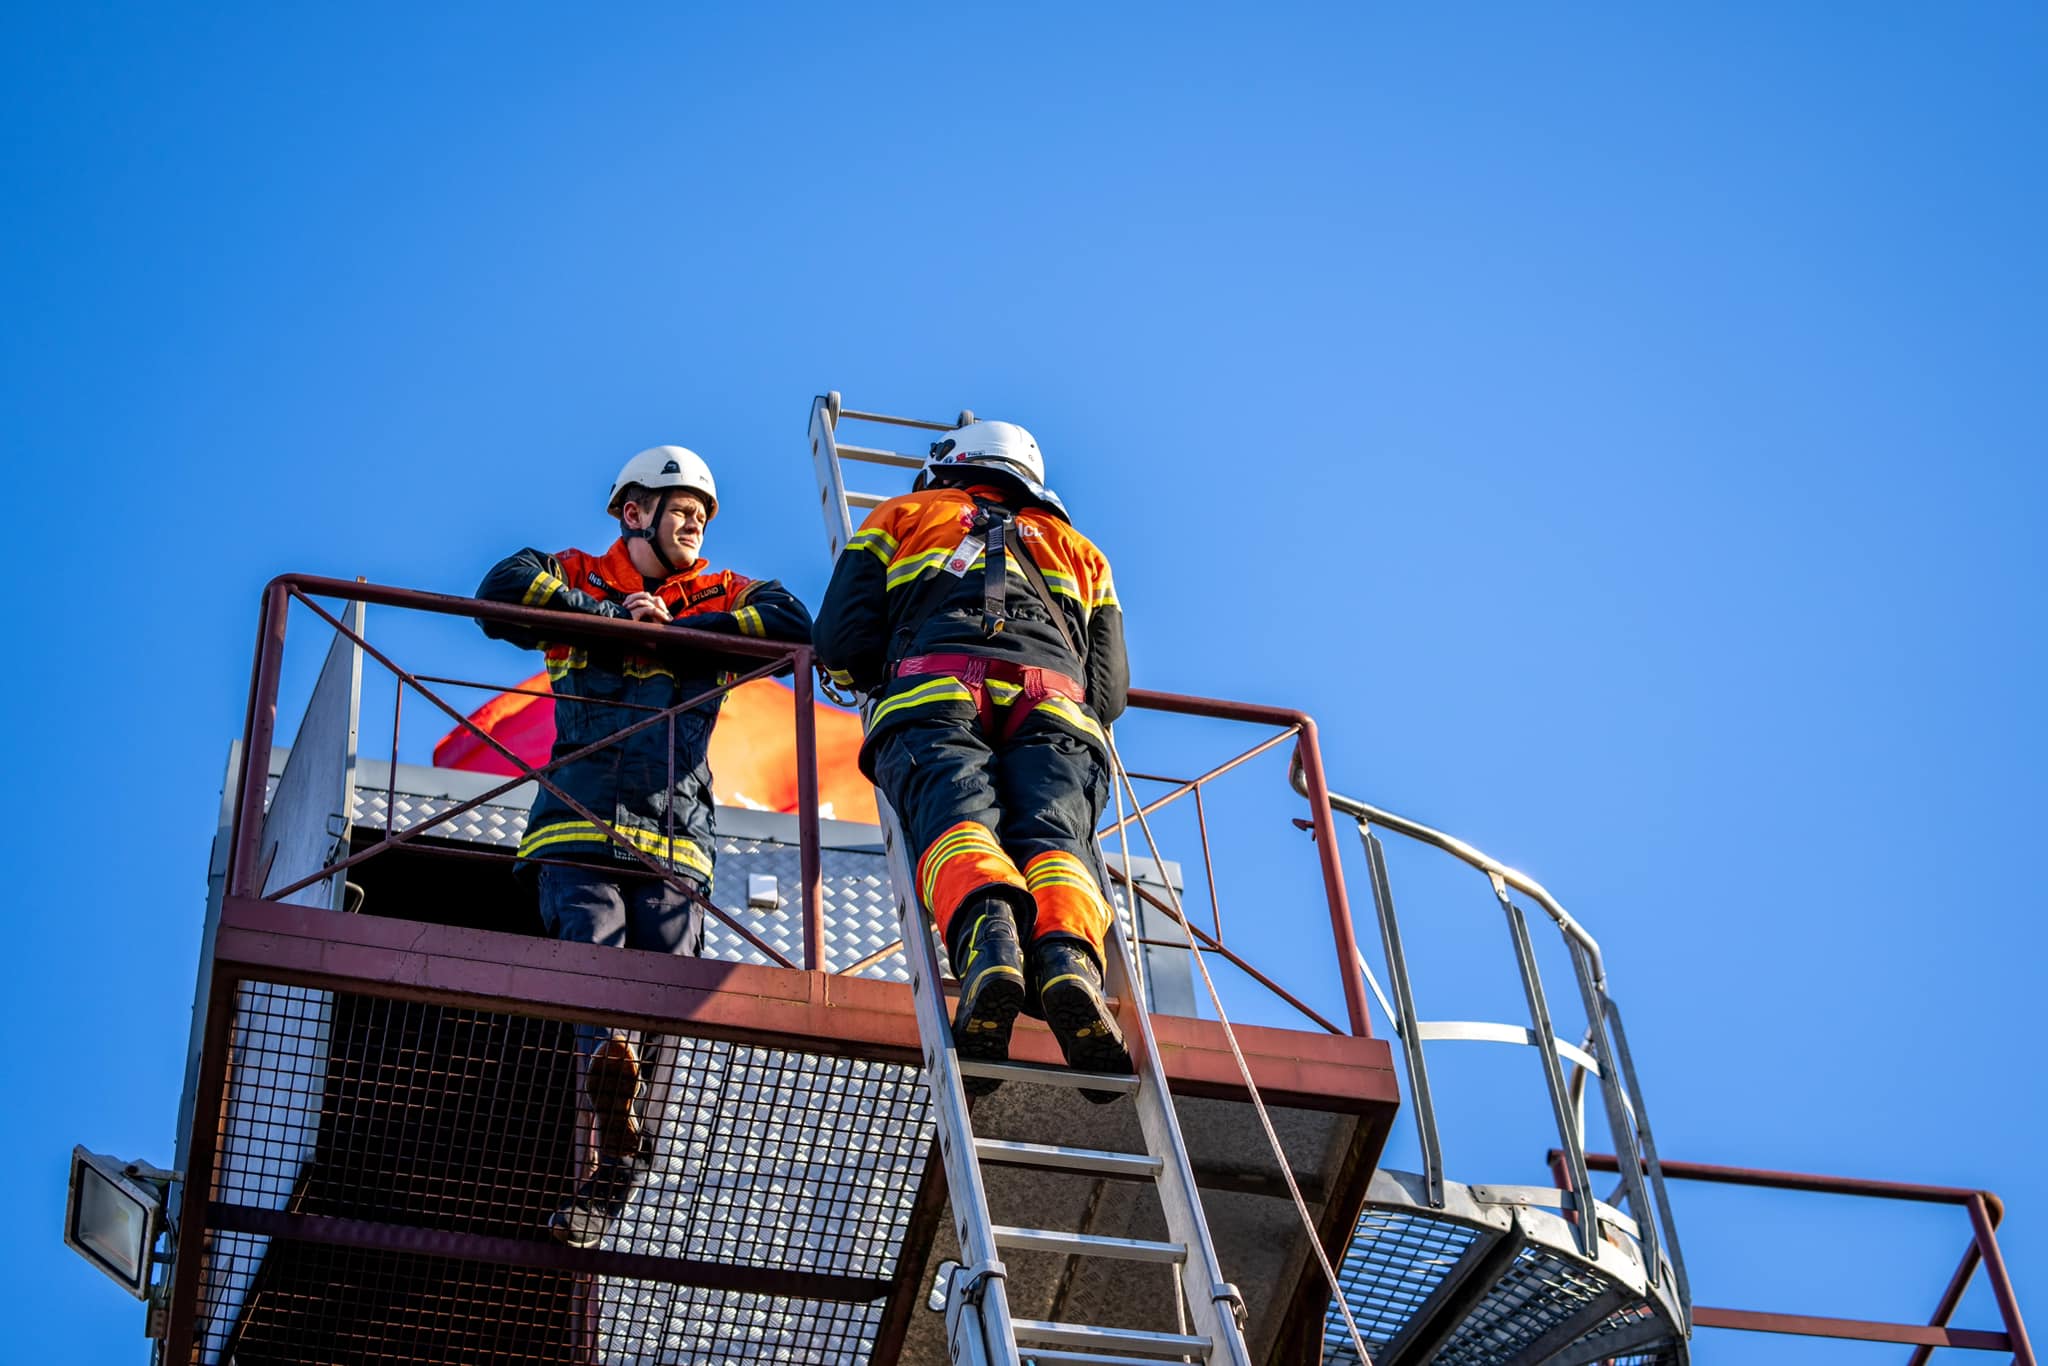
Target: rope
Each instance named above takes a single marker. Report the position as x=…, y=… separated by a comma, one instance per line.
x=1308, y=1222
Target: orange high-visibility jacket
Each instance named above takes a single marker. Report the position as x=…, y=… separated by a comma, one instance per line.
x=887, y=602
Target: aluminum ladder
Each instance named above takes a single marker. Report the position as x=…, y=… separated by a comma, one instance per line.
x=980, y=1329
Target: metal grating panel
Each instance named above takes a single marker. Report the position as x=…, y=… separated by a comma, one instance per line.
x=1394, y=1264
x=408, y=1133
x=325, y=1303
x=1540, y=1291
x=1621, y=1321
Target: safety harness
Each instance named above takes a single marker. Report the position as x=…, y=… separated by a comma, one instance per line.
x=993, y=523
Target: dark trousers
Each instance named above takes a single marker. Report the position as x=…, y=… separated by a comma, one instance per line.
x=591, y=904
x=1040, y=791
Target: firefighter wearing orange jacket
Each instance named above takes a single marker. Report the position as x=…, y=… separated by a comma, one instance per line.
x=987, y=629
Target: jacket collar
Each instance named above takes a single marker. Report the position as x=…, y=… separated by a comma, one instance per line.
x=623, y=577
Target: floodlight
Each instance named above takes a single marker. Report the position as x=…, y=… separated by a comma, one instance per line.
x=113, y=1215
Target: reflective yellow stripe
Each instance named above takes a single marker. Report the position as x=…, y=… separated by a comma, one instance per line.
x=1062, y=584
x=925, y=694
x=1070, y=712
x=577, y=658
x=876, y=542
x=1002, y=692
x=543, y=587
x=975, y=839
x=645, y=668
x=1105, y=595
x=907, y=571
x=679, y=850
x=749, y=619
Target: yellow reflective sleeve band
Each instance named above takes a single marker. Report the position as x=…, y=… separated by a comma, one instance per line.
x=1063, y=584
x=939, y=690
x=876, y=542
x=543, y=587
x=907, y=571
x=749, y=619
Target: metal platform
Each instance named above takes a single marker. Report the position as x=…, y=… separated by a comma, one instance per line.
x=381, y=1108
x=1492, y=1278
x=391, y=1131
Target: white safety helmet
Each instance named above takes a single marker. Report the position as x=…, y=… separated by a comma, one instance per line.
x=1000, y=447
x=666, y=467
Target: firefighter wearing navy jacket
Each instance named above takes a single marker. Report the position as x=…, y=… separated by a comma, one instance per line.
x=653, y=787
x=987, y=629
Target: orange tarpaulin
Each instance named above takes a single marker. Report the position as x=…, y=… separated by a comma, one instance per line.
x=753, y=747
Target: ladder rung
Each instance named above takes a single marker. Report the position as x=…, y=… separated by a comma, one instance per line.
x=1087, y=1244
x=846, y=414
x=1055, y=1356
x=1047, y=1334
x=1139, y=1166
x=874, y=455
x=1048, y=1076
x=865, y=500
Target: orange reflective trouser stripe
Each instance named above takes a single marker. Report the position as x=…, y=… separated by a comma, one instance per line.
x=960, y=862
x=1068, y=900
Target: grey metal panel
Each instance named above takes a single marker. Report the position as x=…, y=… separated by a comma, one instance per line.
x=306, y=819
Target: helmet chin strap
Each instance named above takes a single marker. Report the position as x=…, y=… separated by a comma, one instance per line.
x=646, y=533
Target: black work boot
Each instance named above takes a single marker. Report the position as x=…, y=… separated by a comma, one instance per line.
x=612, y=1081
x=989, y=963
x=1069, y=980
x=598, y=1199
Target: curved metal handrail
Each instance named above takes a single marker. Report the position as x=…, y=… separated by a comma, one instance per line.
x=1605, y=1040
x=1459, y=849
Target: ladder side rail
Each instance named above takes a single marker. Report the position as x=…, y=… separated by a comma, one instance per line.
x=1212, y=1302
x=978, y=1318
x=831, y=479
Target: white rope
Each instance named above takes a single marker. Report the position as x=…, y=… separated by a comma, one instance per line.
x=1244, y=1068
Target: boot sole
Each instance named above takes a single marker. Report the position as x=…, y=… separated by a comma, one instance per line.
x=981, y=1029
x=562, y=1228
x=1087, y=1034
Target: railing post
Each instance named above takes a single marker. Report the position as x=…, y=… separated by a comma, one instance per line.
x=2001, y=1282
x=1583, y=1199
x=1621, y=1116
x=259, y=728
x=1409, y=1026
x=1311, y=752
x=808, y=858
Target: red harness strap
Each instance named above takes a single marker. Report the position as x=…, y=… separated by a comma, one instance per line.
x=975, y=671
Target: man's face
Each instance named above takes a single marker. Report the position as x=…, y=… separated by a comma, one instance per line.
x=678, y=527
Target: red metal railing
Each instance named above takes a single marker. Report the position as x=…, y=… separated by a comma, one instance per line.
x=244, y=877
x=1985, y=1211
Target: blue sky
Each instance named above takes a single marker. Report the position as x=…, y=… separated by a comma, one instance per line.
x=1620, y=428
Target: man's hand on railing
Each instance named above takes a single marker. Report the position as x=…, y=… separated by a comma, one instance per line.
x=648, y=607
